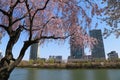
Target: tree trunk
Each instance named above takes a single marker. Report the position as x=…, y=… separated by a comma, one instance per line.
x=6, y=67
x=5, y=63
x=4, y=75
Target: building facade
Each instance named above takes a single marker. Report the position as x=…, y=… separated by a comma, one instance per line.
x=113, y=55
x=98, y=51
x=34, y=51
x=76, y=51
x=87, y=57
x=56, y=58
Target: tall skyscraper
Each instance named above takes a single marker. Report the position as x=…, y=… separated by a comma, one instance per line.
x=76, y=51
x=34, y=51
x=98, y=51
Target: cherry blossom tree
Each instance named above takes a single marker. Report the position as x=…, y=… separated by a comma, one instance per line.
x=43, y=20
x=112, y=17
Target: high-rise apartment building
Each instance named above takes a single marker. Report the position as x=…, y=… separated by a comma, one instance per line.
x=113, y=55
x=98, y=51
x=76, y=51
x=34, y=51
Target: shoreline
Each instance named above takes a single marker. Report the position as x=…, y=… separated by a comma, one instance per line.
x=71, y=66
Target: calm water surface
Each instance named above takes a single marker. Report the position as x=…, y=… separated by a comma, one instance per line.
x=65, y=74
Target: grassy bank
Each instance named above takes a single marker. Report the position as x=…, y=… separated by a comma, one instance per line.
x=95, y=64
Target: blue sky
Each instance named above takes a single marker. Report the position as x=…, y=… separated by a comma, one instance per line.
x=53, y=48
x=63, y=48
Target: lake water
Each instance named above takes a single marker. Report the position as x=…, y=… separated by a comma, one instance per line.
x=65, y=74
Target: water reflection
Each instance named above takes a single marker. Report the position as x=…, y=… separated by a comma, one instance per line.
x=77, y=75
x=64, y=74
x=47, y=74
x=101, y=75
x=89, y=74
x=114, y=74
x=31, y=74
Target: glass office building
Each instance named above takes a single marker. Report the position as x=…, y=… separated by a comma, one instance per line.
x=34, y=51
x=76, y=51
x=98, y=51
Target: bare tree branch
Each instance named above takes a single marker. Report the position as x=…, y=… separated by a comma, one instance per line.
x=22, y=53
x=13, y=6
x=40, y=8
x=4, y=12
x=21, y=1
x=54, y=37
x=4, y=27
x=43, y=25
x=30, y=19
x=20, y=18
